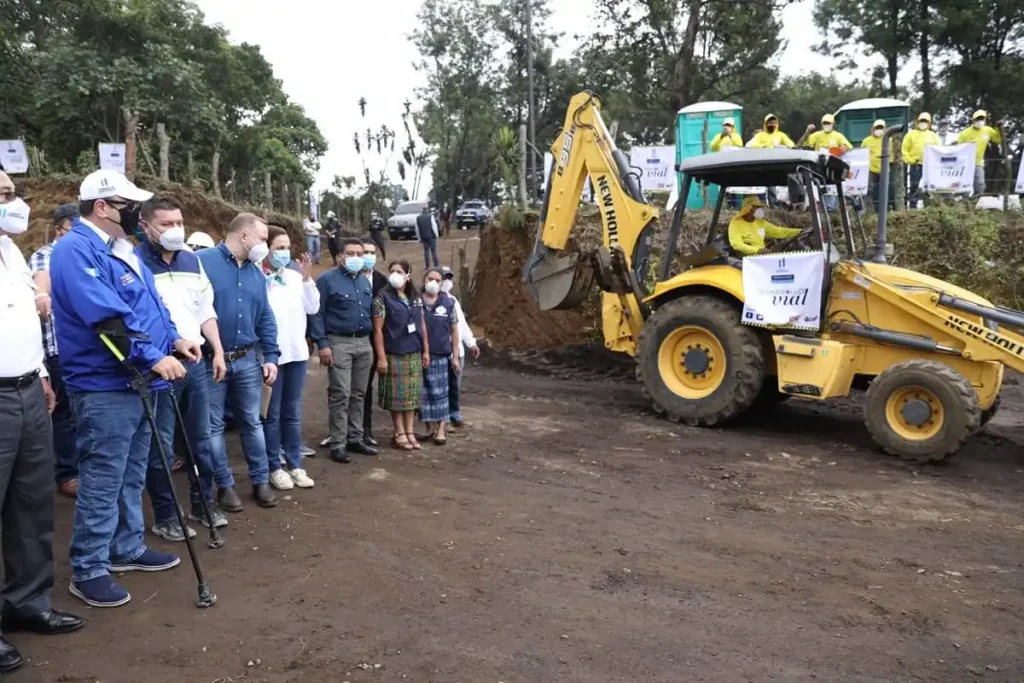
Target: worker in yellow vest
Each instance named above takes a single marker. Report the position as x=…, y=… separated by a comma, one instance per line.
x=873, y=143
x=980, y=133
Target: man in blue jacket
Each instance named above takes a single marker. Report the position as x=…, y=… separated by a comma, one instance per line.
x=245, y=319
x=99, y=285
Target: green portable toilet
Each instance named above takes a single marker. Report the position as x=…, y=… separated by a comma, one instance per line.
x=855, y=118
x=692, y=141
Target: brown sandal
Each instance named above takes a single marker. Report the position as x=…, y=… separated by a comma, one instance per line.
x=415, y=444
x=401, y=445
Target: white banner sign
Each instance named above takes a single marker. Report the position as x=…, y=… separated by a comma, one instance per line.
x=13, y=156
x=657, y=167
x=1019, y=189
x=112, y=156
x=860, y=166
x=783, y=290
x=949, y=169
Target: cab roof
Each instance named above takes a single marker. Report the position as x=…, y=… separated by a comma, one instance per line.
x=747, y=166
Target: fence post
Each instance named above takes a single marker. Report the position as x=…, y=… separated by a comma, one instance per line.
x=165, y=151
x=284, y=196
x=131, y=127
x=298, y=199
x=215, y=172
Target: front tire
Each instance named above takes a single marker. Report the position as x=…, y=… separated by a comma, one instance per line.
x=698, y=363
x=921, y=410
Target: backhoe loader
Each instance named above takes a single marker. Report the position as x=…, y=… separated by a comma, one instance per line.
x=929, y=354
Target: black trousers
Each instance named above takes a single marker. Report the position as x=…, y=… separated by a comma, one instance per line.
x=378, y=238
x=26, y=498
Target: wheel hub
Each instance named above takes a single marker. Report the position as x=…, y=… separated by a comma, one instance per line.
x=696, y=360
x=916, y=412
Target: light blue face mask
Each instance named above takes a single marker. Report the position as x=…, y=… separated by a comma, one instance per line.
x=280, y=259
x=353, y=264
x=369, y=261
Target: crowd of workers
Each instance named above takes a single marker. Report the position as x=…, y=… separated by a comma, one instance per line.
x=101, y=334
x=911, y=152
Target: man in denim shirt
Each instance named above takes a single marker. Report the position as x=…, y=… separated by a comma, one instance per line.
x=245, y=319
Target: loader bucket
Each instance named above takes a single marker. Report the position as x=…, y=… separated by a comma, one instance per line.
x=560, y=282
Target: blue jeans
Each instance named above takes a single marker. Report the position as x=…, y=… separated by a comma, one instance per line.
x=193, y=400
x=313, y=247
x=243, y=386
x=283, y=426
x=430, y=249
x=113, y=440
x=65, y=446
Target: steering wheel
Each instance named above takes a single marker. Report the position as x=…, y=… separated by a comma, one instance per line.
x=802, y=240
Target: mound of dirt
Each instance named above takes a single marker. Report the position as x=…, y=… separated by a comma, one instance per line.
x=502, y=306
x=201, y=212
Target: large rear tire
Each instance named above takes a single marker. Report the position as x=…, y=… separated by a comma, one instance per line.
x=698, y=363
x=921, y=410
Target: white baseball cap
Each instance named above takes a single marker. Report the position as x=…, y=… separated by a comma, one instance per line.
x=107, y=184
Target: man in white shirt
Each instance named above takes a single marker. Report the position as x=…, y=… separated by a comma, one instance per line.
x=466, y=341
x=26, y=446
x=188, y=295
x=311, y=229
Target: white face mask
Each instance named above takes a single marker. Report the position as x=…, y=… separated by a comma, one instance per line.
x=397, y=280
x=923, y=125
x=446, y=286
x=173, y=239
x=758, y=214
x=827, y=127
x=878, y=132
x=14, y=217
x=432, y=286
x=980, y=123
x=258, y=252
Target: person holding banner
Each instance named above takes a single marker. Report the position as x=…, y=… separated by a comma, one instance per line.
x=728, y=137
x=981, y=135
x=914, y=143
x=873, y=143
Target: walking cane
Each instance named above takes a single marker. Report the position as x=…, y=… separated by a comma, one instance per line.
x=140, y=384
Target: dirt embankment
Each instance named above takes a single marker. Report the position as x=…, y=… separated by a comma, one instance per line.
x=201, y=211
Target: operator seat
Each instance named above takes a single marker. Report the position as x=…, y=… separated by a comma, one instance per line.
x=718, y=253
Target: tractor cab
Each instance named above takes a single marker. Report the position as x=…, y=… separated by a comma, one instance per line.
x=802, y=178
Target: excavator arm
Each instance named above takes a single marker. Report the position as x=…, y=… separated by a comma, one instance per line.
x=559, y=276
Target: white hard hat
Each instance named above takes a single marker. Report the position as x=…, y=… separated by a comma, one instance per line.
x=200, y=240
x=330, y=214
x=107, y=184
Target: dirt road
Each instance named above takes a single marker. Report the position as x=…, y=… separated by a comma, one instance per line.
x=570, y=536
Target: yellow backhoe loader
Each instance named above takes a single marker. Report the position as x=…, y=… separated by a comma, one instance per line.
x=930, y=354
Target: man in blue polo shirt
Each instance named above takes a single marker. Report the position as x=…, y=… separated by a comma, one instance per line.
x=245, y=319
x=99, y=284
x=188, y=296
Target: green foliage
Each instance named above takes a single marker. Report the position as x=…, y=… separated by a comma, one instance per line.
x=78, y=73
x=511, y=217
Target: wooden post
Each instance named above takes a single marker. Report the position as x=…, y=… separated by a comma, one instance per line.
x=298, y=199
x=131, y=127
x=215, y=171
x=268, y=190
x=165, y=151
x=190, y=169
x=232, y=187
x=704, y=150
x=284, y=196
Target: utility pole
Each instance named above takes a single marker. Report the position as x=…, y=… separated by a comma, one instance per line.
x=532, y=106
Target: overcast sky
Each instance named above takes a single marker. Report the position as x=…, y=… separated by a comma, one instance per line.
x=329, y=54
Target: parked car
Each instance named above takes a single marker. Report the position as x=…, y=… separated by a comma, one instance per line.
x=472, y=213
x=402, y=225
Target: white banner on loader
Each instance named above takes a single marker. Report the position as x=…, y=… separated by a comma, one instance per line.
x=657, y=167
x=860, y=166
x=948, y=169
x=783, y=290
x=112, y=156
x=1019, y=189
x=13, y=156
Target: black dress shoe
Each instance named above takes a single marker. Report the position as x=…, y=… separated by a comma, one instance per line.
x=10, y=658
x=370, y=441
x=360, y=447
x=228, y=500
x=47, y=623
x=339, y=455
x=265, y=498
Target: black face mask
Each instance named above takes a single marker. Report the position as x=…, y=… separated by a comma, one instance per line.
x=772, y=127
x=130, y=222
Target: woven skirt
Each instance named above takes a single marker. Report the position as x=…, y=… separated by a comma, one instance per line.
x=434, y=404
x=401, y=385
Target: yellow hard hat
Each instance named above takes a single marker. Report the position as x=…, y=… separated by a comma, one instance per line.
x=828, y=118
x=924, y=116
x=980, y=114
x=751, y=202
x=729, y=122
x=878, y=124
x=769, y=117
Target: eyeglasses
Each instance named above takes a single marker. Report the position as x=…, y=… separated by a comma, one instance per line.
x=8, y=195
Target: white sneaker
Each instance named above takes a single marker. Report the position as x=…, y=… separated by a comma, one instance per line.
x=301, y=479
x=280, y=480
